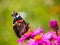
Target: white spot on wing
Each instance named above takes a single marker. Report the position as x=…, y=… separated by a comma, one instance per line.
x=23, y=14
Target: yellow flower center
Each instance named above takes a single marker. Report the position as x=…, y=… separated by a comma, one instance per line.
x=38, y=37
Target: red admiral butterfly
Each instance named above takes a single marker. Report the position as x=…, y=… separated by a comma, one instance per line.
x=20, y=27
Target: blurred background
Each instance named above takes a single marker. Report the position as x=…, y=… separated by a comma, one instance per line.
x=35, y=12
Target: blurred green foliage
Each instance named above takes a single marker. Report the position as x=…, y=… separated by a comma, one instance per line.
x=37, y=15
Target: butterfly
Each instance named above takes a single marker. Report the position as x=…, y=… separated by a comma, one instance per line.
x=20, y=27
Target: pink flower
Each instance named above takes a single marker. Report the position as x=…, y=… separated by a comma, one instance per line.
x=44, y=40
x=53, y=23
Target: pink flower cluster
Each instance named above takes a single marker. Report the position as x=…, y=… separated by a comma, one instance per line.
x=37, y=37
